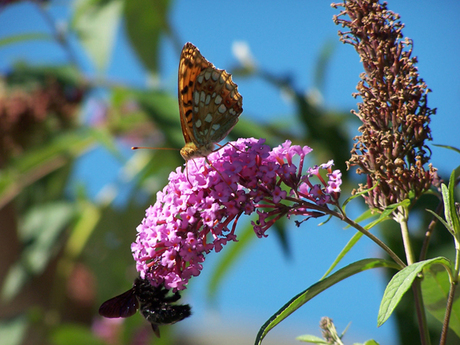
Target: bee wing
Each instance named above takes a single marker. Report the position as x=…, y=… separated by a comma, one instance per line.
x=124, y=305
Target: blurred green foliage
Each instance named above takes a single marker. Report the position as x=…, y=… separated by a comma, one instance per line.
x=59, y=236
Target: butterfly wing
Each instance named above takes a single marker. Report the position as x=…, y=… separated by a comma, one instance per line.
x=217, y=105
x=191, y=64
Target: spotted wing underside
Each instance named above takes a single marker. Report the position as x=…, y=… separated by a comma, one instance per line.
x=217, y=106
x=209, y=101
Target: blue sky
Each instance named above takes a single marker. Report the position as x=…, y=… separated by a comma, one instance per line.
x=284, y=37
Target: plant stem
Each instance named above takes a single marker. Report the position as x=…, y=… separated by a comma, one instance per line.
x=450, y=302
x=59, y=36
x=429, y=232
x=450, y=297
x=457, y=262
x=401, y=218
x=420, y=311
x=382, y=245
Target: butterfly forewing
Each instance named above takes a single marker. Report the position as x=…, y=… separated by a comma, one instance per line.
x=190, y=66
x=209, y=103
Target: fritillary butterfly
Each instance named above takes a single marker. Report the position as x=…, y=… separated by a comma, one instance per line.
x=209, y=103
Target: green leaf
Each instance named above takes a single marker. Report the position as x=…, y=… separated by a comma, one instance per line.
x=450, y=211
x=386, y=214
x=229, y=257
x=311, y=339
x=96, y=23
x=441, y=220
x=146, y=20
x=28, y=77
x=371, y=342
x=70, y=334
x=280, y=231
x=108, y=140
x=448, y=147
x=13, y=282
x=13, y=331
x=299, y=300
x=369, y=213
x=399, y=285
x=33, y=36
x=322, y=65
x=351, y=243
x=354, y=196
x=163, y=109
x=40, y=231
x=42, y=228
x=36, y=163
x=435, y=290
x=89, y=216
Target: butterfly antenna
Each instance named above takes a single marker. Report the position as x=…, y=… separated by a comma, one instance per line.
x=153, y=148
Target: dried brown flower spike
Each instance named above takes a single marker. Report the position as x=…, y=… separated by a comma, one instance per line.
x=391, y=149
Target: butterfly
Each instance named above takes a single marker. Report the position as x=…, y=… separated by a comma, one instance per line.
x=153, y=303
x=209, y=103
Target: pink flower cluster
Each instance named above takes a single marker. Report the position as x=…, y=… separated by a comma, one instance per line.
x=198, y=210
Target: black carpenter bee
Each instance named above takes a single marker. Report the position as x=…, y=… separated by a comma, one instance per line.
x=152, y=301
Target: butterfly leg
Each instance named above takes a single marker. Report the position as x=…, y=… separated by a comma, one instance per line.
x=186, y=173
x=227, y=143
x=186, y=170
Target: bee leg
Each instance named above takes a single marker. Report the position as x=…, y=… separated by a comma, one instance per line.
x=156, y=329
